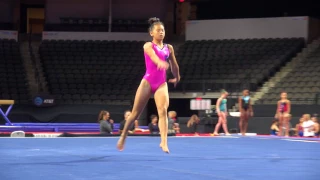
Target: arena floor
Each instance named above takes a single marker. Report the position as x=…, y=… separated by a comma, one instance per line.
x=212, y=158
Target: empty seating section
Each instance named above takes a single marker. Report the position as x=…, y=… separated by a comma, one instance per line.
x=98, y=25
x=231, y=63
x=6, y=26
x=110, y=71
x=13, y=84
x=302, y=83
x=80, y=25
x=86, y=72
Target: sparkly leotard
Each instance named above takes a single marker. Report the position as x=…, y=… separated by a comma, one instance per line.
x=283, y=107
x=156, y=77
x=245, y=102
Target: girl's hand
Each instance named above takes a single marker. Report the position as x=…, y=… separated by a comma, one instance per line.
x=174, y=81
x=162, y=65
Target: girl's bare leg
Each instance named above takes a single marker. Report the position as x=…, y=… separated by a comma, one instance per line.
x=141, y=99
x=216, y=129
x=224, y=123
x=161, y=98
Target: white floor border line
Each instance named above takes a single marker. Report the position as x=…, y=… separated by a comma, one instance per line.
x=226, y=137
x=144, y=137
x=301, y=140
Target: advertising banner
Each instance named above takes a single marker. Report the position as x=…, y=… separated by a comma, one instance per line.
x=44, y=100
x=9, y=35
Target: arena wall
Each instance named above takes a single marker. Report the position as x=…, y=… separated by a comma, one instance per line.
x=6, y=9
x=116, y=36
x=127, y=9
x=279, y=27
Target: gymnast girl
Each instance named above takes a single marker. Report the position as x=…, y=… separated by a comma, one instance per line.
x=283, y=113
x=158, y=57
x=221, y=109
x=245, y=109
x=299, y=128
x=274, y=129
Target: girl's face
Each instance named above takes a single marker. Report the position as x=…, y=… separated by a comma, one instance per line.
x=106, y=116
x=245, y=93
x=314, y=119
x=283, y=95
x=158, y=32
x=155, y=120
x=301, y=120
x=306, y=117
x=224, y=95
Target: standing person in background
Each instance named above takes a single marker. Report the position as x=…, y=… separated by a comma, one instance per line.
x=221, y=108
x=246, y=111
x=282, y=113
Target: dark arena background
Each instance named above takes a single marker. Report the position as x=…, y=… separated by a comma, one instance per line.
x=62, y=62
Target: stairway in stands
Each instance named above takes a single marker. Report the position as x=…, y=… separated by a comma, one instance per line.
x=284, y=71
x=41, y=79
x=32, y=64
x=29, y=67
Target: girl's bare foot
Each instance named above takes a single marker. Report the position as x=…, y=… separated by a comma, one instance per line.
x=165, y=149
x=120, y=144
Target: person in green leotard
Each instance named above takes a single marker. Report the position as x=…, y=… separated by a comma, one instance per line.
x=221, y=109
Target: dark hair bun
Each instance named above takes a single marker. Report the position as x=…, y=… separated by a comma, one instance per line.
x=153, y=20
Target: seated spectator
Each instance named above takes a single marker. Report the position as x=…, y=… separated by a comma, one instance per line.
x=153, y=126
x=274, y=129
x=122, y=123
x=316, y=126
x=299, y=128
x=308, y=126
x=173, y=116
x=106, y=124
x=193, y=123
x=173, y=126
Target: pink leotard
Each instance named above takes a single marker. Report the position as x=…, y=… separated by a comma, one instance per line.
x=154, y=76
